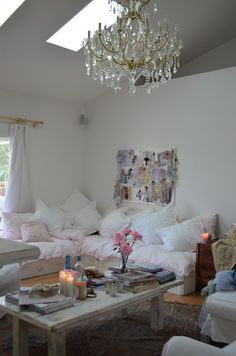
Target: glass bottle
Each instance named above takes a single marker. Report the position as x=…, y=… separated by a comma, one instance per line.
x=67, y=264
x=79, y=270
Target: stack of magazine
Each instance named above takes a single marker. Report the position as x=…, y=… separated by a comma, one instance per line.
x=136, y=281
x=41, y=305
x=152, y=268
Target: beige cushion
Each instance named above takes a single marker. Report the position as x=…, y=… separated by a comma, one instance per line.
x=35, y=232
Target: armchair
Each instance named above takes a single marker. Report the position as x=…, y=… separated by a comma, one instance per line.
x=220, y=324
x=185, y=346
x=9, y=279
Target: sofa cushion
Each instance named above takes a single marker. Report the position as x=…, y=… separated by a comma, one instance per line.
x=182, y=237
x=11, y=223
x=74, y=202
x=35, y=232
x=147, y=224
x=85, y=220
x=48, y=216
x=113, y=222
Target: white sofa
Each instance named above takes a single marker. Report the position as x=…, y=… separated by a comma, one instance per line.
x=98, y=250
x=185, y=346
x=220, y=324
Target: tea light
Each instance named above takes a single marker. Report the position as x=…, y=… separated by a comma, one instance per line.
x=70, y=289
x=62, y=280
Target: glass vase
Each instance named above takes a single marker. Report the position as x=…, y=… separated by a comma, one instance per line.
x=123, y=268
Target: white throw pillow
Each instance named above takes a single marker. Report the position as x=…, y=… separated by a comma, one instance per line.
x=11, y=223
x=35, y=232
x=148, y=224
x=137, y=216
x=74, y=202
x=113, y=222
x=86, y=220
x=182, y=237
x=50, y=217
x=209, y=223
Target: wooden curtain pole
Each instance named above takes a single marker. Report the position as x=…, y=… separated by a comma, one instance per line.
x=21, y=121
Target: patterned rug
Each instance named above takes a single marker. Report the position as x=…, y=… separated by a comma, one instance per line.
x=113, y=336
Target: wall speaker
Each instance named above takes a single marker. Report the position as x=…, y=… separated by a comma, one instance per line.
x=83, y=120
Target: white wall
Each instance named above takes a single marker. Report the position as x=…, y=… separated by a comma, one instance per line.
x=56, y=148
x=220, y=57
x=196, y=114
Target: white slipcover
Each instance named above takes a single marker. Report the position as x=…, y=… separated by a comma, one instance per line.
x=221, y=321
x=9, y=279
x=185, y=346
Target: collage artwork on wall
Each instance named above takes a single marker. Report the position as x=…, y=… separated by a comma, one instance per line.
x=146, y=176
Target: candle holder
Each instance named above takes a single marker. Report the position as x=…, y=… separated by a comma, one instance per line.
x=206, y=237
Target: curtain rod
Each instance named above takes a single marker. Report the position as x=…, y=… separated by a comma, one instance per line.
x=21, y=121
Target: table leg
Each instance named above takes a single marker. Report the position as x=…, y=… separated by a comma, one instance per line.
x=20, y=337
x=56, y=344
x=157, y=313
x=124, y=313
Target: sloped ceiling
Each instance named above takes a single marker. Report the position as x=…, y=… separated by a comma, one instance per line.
x=31, y=66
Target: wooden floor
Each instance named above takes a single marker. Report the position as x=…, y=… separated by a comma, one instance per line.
x=192, y=299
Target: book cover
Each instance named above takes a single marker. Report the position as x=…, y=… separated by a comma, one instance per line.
x=165, y=276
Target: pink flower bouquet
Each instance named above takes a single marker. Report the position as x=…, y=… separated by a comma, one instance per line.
x=123, y=242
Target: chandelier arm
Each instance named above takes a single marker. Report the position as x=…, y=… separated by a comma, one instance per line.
x=144, y=3
x=152, y=51
x=104, y=45
x=93, y=53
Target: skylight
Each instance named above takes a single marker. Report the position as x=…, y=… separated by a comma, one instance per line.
x=72, y=34
x=7, y=8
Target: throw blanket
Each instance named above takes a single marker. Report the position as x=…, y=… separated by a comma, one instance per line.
x=224, y=252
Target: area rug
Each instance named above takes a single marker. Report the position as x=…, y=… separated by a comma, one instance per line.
x=113, y=335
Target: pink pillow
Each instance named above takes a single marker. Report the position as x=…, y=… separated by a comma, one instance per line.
x=11, y=223
x=35, y=232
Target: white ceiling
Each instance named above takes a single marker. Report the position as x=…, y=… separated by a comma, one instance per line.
x=30, y=65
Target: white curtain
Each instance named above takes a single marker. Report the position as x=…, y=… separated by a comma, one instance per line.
x=18, y=188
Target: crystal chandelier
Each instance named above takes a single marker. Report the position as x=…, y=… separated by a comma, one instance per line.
x=133, y=47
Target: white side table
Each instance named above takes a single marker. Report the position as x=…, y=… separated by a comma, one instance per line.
x=13, y=251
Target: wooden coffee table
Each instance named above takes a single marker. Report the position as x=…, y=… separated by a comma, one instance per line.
x=58, y=322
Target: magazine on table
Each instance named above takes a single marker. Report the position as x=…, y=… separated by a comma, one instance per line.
x=26, y=297
x=135, y=278
x=45, y=306
x=142, y=287
x=152, y=268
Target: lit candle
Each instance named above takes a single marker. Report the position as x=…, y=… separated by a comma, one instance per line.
x=70, y=289
x=62, y=280
x=205, y=236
